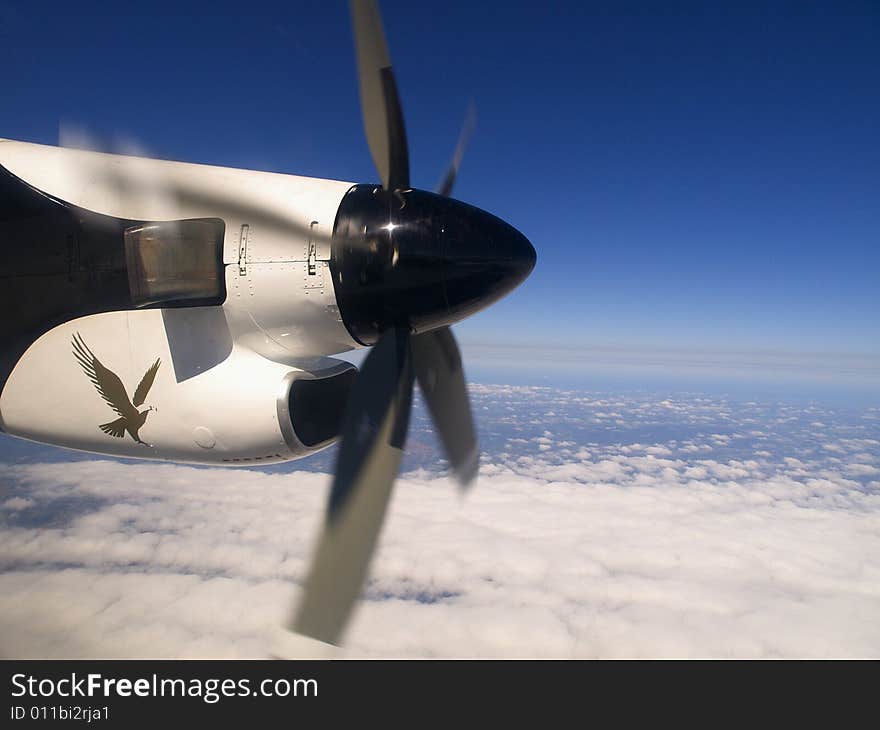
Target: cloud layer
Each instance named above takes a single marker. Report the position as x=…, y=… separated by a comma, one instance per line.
x=755, y=531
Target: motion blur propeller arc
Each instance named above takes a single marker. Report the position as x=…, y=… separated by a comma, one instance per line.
x=406, y=264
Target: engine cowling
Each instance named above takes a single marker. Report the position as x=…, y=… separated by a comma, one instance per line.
x=171, y=385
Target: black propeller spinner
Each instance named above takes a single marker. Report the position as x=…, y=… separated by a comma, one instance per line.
x=420, y=261
x=405, y=264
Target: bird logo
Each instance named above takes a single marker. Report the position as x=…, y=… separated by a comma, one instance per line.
x=111, y=389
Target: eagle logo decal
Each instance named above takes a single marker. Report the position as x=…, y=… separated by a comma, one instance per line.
x=111, y=389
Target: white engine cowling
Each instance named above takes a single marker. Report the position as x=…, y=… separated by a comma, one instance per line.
x=167, y=384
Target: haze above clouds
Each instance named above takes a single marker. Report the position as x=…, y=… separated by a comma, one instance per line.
x=601, y=525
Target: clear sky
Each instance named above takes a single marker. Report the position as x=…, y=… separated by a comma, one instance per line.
x=692, y=177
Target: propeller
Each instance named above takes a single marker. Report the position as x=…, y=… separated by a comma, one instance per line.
x=467, y=129
x=380, y=102
x=373, y=437
x=437, y=364
x=406, y=264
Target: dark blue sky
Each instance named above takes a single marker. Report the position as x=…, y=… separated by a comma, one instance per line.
x=691, y=177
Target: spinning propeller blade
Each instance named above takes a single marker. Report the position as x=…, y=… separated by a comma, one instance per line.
x=380, y=103
x=437, y=363
x=467, y=129
x=406, y=264
x=373, y=437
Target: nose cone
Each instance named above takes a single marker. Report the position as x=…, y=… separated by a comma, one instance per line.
x=485, y=258
x=419, y=260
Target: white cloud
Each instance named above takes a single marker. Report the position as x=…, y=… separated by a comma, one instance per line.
x=628, y=549
x=181, y=561
x=836, y=448
x=16, y=503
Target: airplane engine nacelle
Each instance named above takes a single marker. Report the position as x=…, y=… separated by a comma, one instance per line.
x=135, y=384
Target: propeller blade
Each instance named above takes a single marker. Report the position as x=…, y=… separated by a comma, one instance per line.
x=438, y=369
x=373, y=437
x=380, y=102
x=467, y=129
